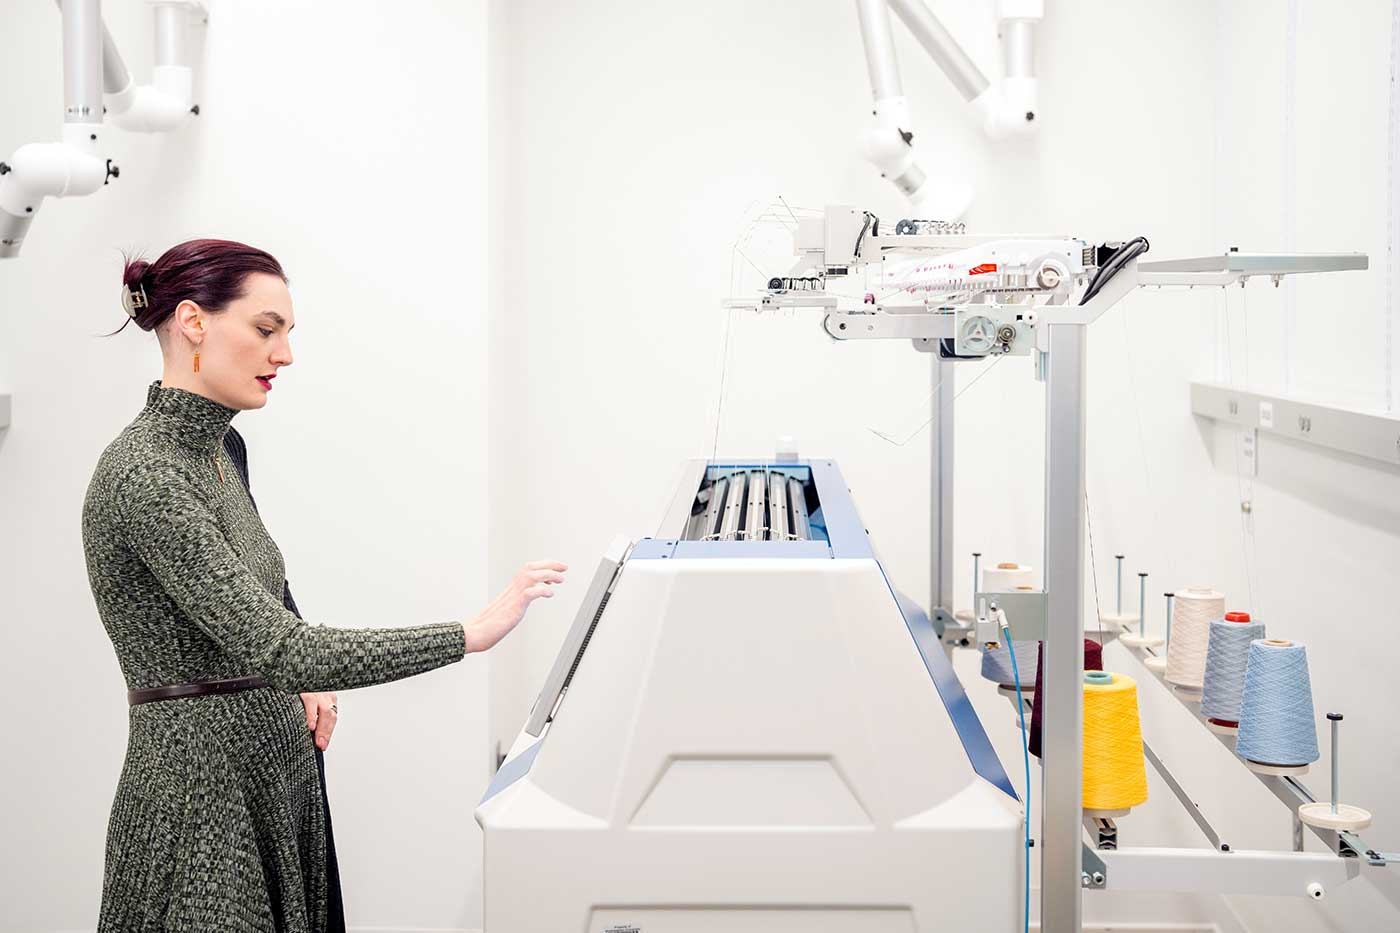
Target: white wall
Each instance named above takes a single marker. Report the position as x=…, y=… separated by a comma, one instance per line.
x=635, y=144
x=350, y=142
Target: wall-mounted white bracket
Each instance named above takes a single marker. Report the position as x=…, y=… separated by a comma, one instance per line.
x=1364, y=434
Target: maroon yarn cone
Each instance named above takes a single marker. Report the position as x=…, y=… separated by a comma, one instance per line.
x=1093, y=661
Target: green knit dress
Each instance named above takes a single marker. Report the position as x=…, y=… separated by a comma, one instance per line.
x=217, y=822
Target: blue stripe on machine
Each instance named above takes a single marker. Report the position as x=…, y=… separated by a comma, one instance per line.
x=512, y=771
x=974, y=738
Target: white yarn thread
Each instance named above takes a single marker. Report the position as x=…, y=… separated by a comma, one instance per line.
x=1195, y=608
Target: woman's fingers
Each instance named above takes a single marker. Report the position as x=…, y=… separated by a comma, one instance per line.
x=326, y=724
x=545, y=576
x=547, y=565
x=309, y=701
x=539, y=591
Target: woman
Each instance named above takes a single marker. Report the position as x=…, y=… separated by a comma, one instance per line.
x=219, y=820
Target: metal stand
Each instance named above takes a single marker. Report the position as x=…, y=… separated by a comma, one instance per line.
x=941, y=500
x=1057, y=338
x=1061, y=863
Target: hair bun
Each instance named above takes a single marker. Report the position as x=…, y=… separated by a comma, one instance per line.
x=133, y=273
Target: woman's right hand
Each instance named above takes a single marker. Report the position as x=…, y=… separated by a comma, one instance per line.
x=505, y=613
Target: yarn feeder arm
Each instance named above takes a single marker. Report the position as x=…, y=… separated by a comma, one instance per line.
x=974, y=296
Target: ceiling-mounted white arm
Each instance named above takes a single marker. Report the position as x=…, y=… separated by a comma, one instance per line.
x=74, y=166
x=167, y=102
x=1010, y=107
x=889, y=143
x=1006, y=108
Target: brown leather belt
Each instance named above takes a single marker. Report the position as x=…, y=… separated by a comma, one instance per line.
x=199, y=689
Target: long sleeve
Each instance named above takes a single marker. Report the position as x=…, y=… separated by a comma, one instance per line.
x=169, y=524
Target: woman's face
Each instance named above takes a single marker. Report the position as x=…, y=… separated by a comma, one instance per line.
x=245, y=346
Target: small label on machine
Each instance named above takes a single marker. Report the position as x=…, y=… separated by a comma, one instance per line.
x=623, y=928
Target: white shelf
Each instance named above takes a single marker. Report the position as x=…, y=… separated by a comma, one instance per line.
x=1261, y=263
x=1365, y=434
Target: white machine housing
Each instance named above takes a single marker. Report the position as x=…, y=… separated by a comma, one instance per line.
x=748, y=730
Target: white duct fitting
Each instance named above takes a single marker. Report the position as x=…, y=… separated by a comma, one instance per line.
x=74, y=166
x=91, y=63
x=167, y=102
x=1008, y=107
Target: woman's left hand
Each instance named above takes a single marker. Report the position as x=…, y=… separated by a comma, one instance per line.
x=321, y=714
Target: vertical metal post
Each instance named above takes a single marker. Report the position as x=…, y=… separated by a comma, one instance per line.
x=1334, y=719
x=1061, y=862
x=82, y=61
x=172, y=28
x=976, y=581
x=1142, y=603
x=1167, y=646
x=941, y=499
x=1119, y=559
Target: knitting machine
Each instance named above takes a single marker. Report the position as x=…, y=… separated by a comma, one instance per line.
x=747, y=728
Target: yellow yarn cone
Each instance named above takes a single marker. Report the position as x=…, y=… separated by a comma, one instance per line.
x=1115, y=774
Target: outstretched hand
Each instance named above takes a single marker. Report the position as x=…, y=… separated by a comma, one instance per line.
x=496, y=620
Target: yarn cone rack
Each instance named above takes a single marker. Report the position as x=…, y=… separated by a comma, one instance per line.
x=1267, y=721
x=1263, y=713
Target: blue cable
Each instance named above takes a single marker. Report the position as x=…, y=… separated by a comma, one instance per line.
x=1026, y=757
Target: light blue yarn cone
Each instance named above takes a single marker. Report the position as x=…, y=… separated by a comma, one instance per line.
x=1226, y=656
x=1277, y=726
x=996, y=663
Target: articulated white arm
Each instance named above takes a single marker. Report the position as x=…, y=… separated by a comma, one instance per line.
x=889, y=144
x=1006, y=108
x=75, y=166
x=165, y=104
x=71, y=167
x=1009, y=108
x=52, y=170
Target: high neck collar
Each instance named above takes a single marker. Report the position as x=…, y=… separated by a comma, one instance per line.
x=200, y=421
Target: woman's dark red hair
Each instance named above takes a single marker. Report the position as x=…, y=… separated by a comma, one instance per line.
x=210, y=273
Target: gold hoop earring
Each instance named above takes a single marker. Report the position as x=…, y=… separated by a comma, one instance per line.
x=196, y=359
